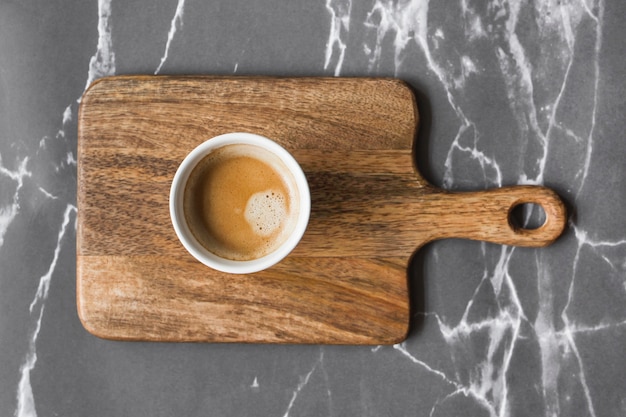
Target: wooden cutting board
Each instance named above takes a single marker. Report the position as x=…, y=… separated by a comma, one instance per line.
x=345, y=283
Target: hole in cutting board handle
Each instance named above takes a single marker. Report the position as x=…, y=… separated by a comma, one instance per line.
x=492, y=215
x=529, y=216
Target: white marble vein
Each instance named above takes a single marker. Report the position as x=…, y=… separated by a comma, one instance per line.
x=596, y=63
x=581, y=367
x=549, y=345
x=460, y=389
x=612, y=252
x=47, y=194
x=401, y=347
x=177, y=22
x=304, y=381
x=9, y=211
x=24, y=396
x=339, y=26
x=25, y=399
x=102, y=63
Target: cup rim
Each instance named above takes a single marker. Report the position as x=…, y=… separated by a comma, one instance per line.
x=180, y=224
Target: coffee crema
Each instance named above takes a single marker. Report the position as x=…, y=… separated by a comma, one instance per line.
x=241, y=202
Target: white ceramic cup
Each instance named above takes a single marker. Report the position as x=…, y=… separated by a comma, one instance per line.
x=187, y=238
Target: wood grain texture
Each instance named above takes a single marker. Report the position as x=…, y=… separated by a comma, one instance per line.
x=301, y=300
x=344, y=283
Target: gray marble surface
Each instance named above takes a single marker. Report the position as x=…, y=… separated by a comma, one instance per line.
x=510, y=93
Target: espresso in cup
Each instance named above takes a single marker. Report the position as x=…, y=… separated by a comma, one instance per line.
x=241, y=202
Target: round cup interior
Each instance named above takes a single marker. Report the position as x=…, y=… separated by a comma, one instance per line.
x=187, y=238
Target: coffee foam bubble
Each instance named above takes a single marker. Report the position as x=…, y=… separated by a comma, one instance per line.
x=266, y=211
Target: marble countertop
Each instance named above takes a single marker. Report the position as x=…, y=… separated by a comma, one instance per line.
x=509, y=93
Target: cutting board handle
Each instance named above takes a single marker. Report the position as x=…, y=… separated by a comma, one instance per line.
x=487, y=215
